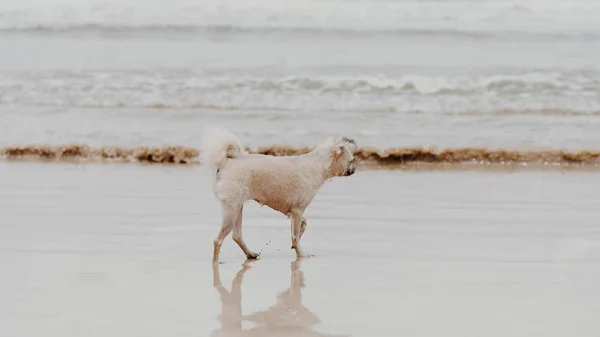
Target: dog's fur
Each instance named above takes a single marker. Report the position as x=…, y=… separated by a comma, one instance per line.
x=286, y=184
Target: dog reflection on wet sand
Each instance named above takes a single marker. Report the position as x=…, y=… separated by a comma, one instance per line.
x=288, y=317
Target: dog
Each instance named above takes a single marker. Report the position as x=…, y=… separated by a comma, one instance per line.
x=286, y=184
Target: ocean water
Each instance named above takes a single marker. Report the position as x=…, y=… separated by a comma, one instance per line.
x=494, y=73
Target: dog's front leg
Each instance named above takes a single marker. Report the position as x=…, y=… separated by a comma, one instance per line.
x=297, y=220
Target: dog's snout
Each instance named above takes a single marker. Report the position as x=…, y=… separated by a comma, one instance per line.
x=350, y=171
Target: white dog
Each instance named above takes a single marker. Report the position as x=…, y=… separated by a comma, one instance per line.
x=286, y=184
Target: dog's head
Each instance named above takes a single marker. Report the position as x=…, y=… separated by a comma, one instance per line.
x=341, y=152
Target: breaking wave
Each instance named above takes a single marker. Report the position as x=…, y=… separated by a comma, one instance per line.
x=387, y=158
x=544, y=92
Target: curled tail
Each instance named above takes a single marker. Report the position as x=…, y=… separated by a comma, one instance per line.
x=217, y=146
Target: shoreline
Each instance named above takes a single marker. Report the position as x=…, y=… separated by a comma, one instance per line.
x=411, y=159
x=366, y=166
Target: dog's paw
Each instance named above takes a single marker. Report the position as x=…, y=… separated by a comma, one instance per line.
x=253, y=255
x=303, y=254
x=307, y=255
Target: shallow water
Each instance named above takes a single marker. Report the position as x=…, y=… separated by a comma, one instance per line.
x=126, y=249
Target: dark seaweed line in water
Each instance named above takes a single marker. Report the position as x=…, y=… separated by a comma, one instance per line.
x=391, y=157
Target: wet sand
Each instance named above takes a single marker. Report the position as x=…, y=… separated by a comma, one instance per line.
x=125, y=250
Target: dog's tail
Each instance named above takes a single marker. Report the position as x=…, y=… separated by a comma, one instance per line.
x=217, y=146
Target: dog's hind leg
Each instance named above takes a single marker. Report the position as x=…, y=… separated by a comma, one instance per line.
x=229, y=219
x=296, y=233
x=238, y=238
x=303, y=227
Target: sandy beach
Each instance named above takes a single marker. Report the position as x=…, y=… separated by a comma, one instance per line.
x=124, y=250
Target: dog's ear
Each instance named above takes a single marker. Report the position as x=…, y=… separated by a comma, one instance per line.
x=340, y=144
x=350, y=143
x=339, y=150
